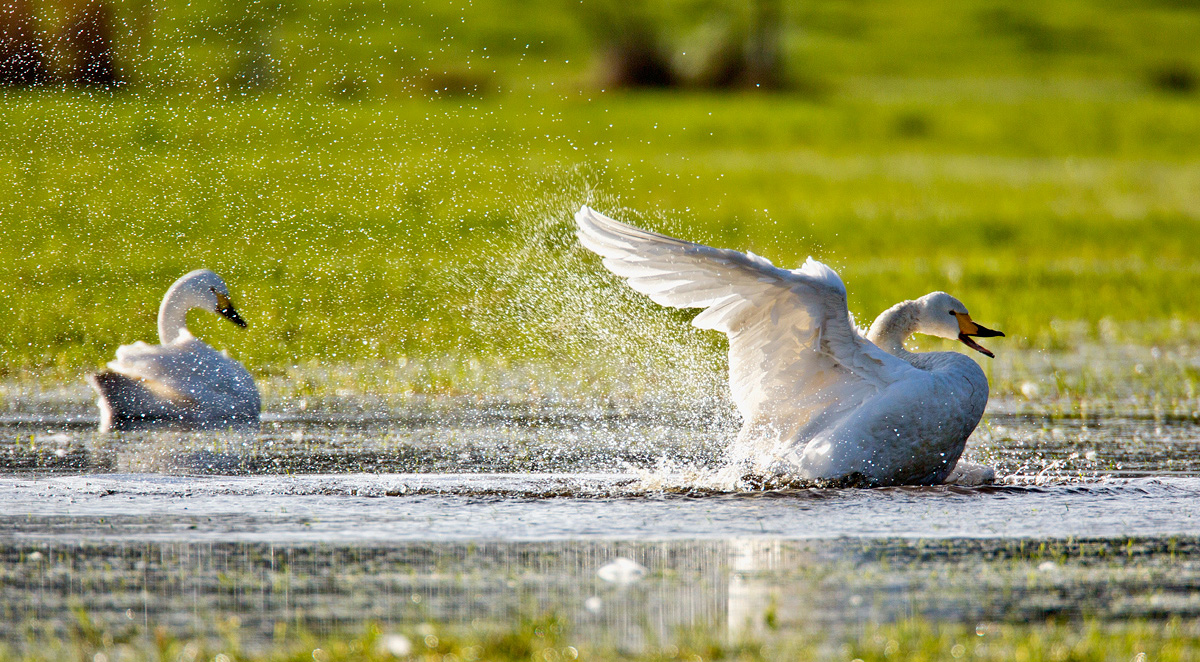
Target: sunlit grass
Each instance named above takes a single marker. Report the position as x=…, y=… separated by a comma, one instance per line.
x=388, y=231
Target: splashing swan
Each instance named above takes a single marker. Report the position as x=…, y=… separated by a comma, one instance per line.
x=819, y=400
x=183, y=382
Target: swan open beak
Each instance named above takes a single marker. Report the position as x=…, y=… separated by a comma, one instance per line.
x=225, y=309
x=967, y=328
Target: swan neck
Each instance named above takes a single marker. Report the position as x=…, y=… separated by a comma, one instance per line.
x=893, y=327
x=172, y=314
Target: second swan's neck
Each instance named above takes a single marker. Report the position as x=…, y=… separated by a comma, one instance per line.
x=893, y=327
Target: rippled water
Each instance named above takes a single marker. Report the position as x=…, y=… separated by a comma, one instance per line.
x=524, y=507
x=721, y=586
x=468, y=514
x=520, y=474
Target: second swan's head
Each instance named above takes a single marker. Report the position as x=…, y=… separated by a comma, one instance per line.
x=203, y=288
x=946, y=317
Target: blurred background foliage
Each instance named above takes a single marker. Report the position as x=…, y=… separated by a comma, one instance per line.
x=381, y=47
x=381, y=180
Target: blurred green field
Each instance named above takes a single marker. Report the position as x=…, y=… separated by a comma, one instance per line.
x=373, y=48
x=1032, y=161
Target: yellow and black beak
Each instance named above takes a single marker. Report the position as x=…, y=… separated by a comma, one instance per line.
x=967, y=328
x=225, y=309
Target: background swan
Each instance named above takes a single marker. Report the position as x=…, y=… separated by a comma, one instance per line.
x=819, y=400
x=182, y=382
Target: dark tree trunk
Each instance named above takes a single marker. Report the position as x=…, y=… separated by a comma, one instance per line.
x=752, y=55
x=637, y=60
x=22, y=62
x=764, y=50
x=90, y=40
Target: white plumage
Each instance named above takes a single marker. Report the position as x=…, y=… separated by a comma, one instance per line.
x=182, y=382
x=819, y=400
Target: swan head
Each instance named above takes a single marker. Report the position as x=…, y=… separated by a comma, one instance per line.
x=213, y=295
x=202, y=289
x=941, y=315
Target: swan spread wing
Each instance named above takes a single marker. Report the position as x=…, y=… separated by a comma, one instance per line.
x=795, y=357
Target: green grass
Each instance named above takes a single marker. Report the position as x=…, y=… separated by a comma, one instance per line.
x=1023, y=162
x=550, y=639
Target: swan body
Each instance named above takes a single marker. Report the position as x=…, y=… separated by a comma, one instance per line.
x=182, y=382
x=820, y=400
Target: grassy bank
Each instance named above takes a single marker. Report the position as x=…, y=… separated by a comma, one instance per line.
x=1036, y=164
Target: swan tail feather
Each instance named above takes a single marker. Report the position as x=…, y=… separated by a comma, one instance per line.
x=128, y=403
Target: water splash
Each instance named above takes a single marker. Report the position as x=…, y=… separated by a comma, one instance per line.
x=546, y=300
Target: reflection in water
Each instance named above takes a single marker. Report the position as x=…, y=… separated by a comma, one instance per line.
x=194, y=588
x=753, y=598
x=736, y=588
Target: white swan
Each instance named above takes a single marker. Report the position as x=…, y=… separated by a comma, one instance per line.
x=819, y=399
x=183, y=382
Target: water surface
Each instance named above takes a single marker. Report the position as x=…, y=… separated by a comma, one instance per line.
x=479, y=516
x=528, y=475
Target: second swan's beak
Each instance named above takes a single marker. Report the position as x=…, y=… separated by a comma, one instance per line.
x=225, y=309
x=968, y=328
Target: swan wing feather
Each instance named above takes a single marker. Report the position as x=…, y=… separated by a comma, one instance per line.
x=191, y=371
x=795, y=356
